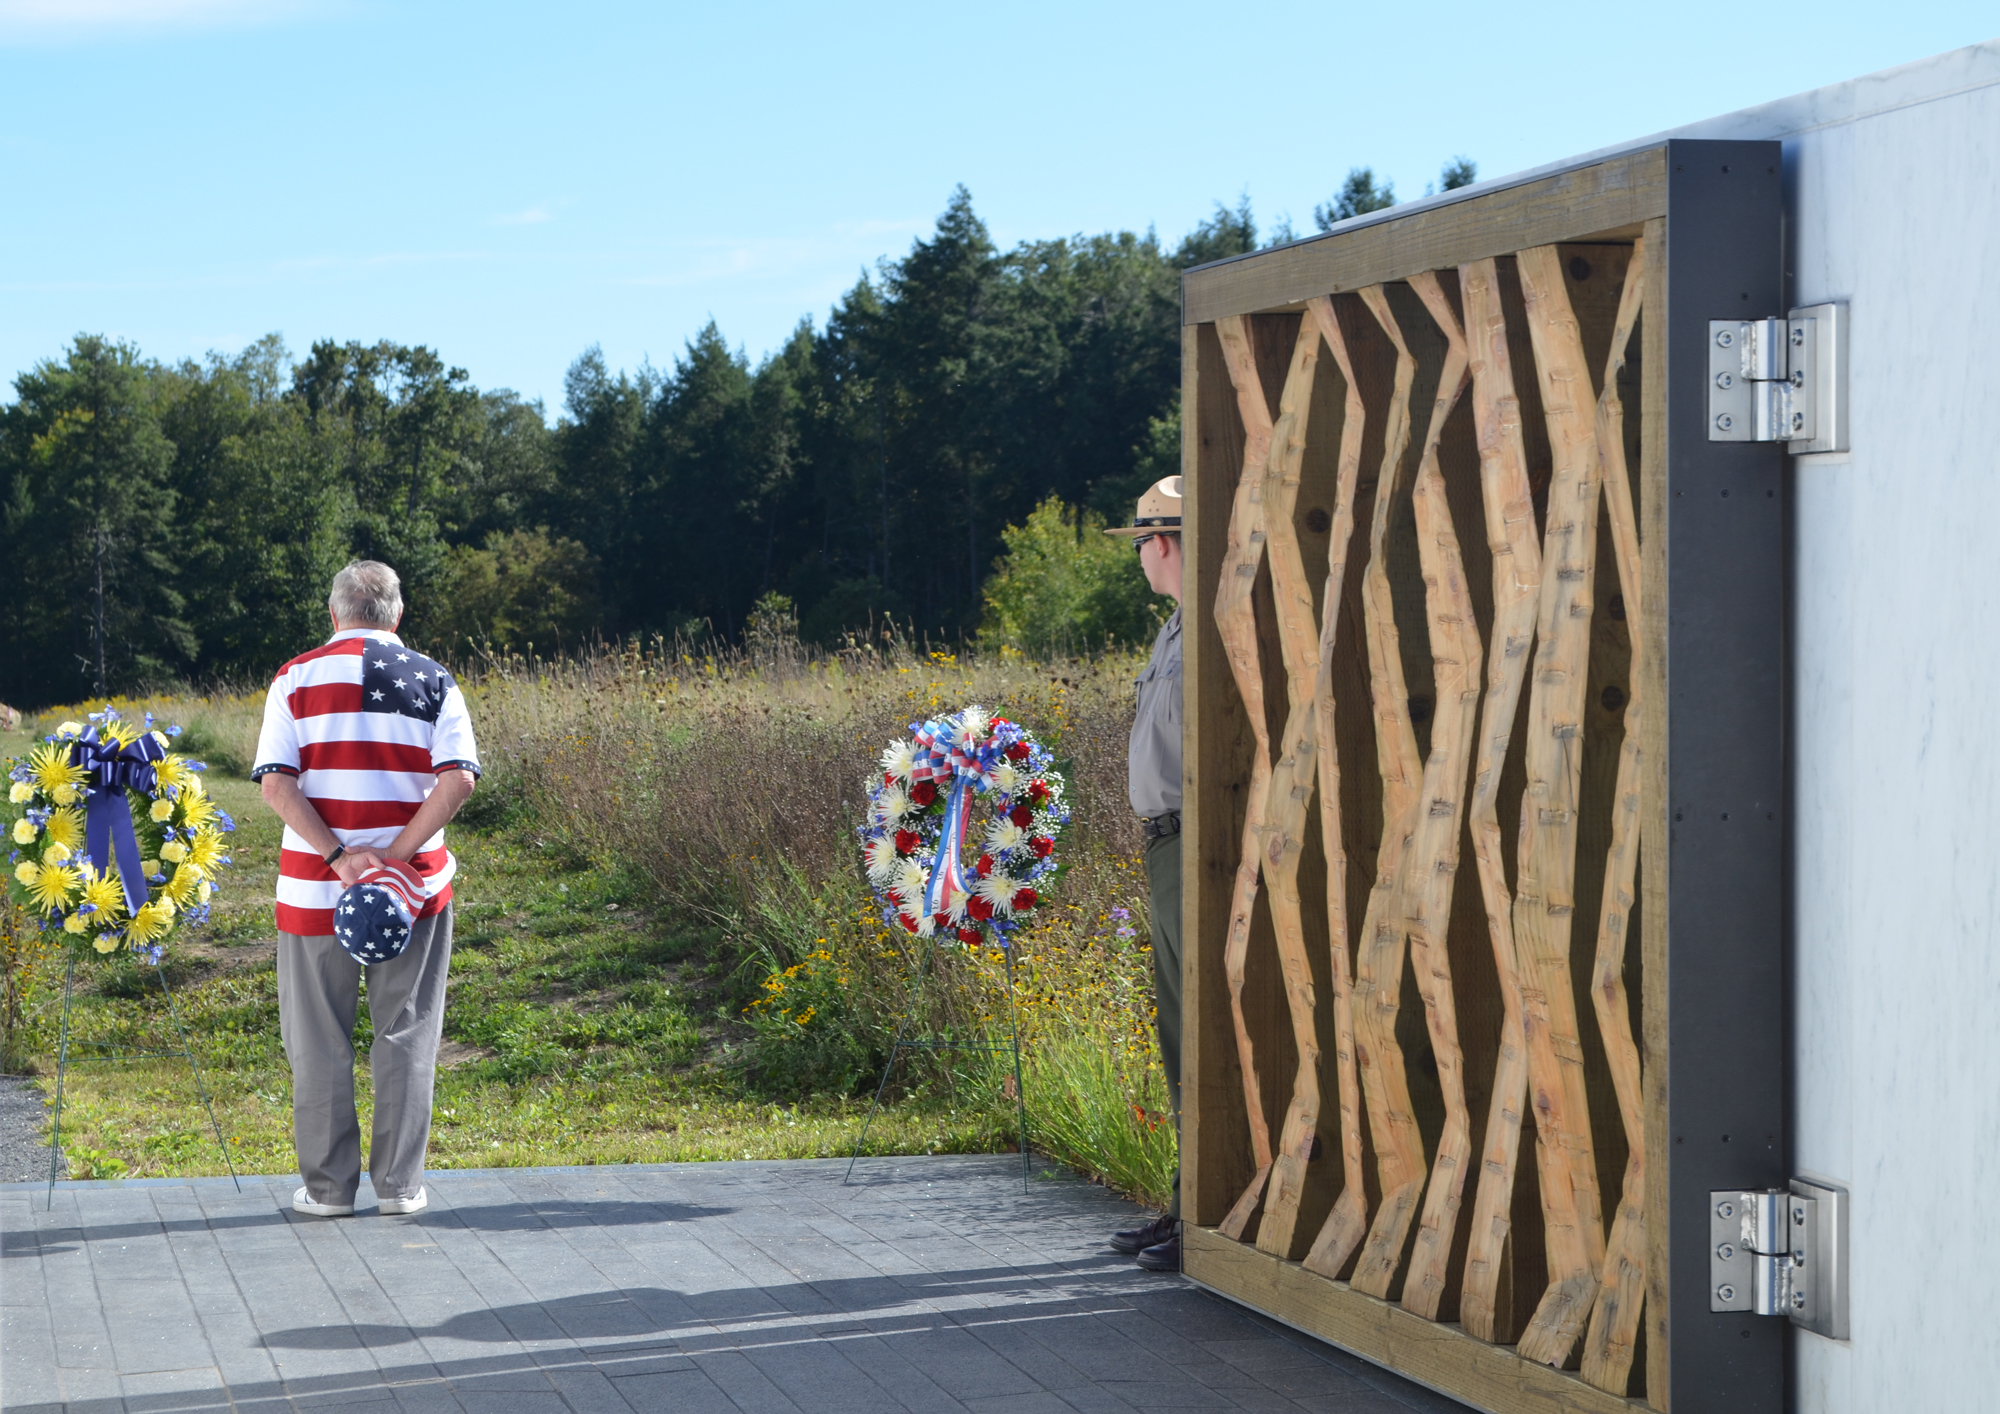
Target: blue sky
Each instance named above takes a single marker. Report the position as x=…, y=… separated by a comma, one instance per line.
x=511, y=183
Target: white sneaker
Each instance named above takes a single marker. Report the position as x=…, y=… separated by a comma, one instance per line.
x=415, y=1203
x=302, y=1203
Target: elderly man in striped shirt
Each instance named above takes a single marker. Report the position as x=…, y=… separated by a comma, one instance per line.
x=366, y=753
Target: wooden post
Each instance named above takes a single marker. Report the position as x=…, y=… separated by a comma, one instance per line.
x=1236, y=618
x=1432, y=866
x=1544, y=891
x=1347, y=1224
x=1614, y=1322
x=1378, y=971
x=1290, y=797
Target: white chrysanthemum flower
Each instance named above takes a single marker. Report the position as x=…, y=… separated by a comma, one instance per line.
x=891, y=806
x=1006, y=777
x=956, y=905
x=926, y=926
x=898, y=758
x=998, y=889
x=909, y=880
x=1003, y=834
x=973, y=726
x=882, y=859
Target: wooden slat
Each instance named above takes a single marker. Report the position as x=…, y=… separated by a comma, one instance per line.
x=1378, y=972
x=1216, y=1154
x=1517, y=579
x=1544, y=899
x=1441, y=1356
x=1614, y=1320
x=1432, y=866
x=1347, y=1224
x=1236, y=618
x=1283, y=844
x=1607, y=198
x=1649, y=651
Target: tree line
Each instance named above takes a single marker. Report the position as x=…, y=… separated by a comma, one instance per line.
x=182, y=521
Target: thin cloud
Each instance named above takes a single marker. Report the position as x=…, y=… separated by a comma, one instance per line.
x=31, y=20
x=533, y=216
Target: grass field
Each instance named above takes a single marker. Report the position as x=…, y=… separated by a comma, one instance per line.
x=601, y=1011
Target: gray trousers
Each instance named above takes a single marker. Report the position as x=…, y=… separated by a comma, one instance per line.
x=1163, y=892
x=319, y=991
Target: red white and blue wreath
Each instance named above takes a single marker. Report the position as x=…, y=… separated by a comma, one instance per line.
x=965, y=776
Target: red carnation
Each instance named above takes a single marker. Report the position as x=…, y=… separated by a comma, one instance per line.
x=1042, y=846
x=1025, y=899
x=1018, y=751
x=923, y=792
x=1038, y=791
x=970, y=935
x=888, y=778
x=909, y=923
x=906, y=841
x=943, y=920
x=1021, y=815
x=984, y=866
x=979, y=908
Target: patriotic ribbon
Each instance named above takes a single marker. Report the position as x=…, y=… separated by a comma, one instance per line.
x=943, y=754
x=114, y=770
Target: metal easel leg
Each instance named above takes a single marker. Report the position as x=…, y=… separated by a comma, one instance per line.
x=1020, y=1088
x=62, y=1066
x=916, y=992
x=200, y=1088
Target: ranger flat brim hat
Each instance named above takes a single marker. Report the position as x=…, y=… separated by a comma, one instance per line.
x=1159, y=509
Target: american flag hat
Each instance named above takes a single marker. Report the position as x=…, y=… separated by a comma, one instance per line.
x=373, y=918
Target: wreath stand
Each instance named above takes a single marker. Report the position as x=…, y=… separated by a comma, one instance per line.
x=1012, y=1044
x=103, y=1051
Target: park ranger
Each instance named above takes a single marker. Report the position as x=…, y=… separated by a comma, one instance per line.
x=1155, y=786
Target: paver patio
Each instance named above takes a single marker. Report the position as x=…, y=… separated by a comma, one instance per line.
x=928, y=1284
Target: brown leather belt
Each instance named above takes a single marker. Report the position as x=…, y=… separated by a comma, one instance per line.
x=1161, y=826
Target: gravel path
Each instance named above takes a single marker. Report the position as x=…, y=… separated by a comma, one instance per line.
x=24, y=1152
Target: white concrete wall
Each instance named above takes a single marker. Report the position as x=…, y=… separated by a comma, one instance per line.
x=1895, y=207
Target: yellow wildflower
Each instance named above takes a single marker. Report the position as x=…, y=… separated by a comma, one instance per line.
x=20, y=791
x=163, y=810
x=66, y=828
x=26, y=872
x=105, y=942
x=52, y=886
x=24, y=832
x=74, y=923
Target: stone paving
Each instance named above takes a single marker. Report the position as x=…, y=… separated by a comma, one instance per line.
x=926, y=1285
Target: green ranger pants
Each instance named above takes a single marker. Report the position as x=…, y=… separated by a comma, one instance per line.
x=1163, y=880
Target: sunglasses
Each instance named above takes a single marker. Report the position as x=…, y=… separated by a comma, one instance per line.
x=1139, y=542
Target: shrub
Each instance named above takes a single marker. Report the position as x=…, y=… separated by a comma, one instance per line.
x=518, y=588
x=1063, y=586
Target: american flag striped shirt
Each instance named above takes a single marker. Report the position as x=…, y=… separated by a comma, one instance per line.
x=366, y=724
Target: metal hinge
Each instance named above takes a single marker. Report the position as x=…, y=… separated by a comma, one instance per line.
x=1780, y=380
x=1781, y=1252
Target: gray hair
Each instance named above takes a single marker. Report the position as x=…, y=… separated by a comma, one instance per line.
x=367, y=594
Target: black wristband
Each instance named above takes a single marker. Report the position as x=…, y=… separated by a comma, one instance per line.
x=338, y=851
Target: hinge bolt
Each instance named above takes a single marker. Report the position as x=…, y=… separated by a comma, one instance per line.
x=1725, y=1211
x=1724, y=380
x=1724, y=339
x=1798, y=1301
x=1726, y=1292
x=1727, y=1252
x=1723, y=422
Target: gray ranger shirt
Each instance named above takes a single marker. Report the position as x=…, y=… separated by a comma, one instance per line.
x=1155, y=761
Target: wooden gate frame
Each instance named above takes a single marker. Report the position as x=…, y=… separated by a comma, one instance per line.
x=1714, y=924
